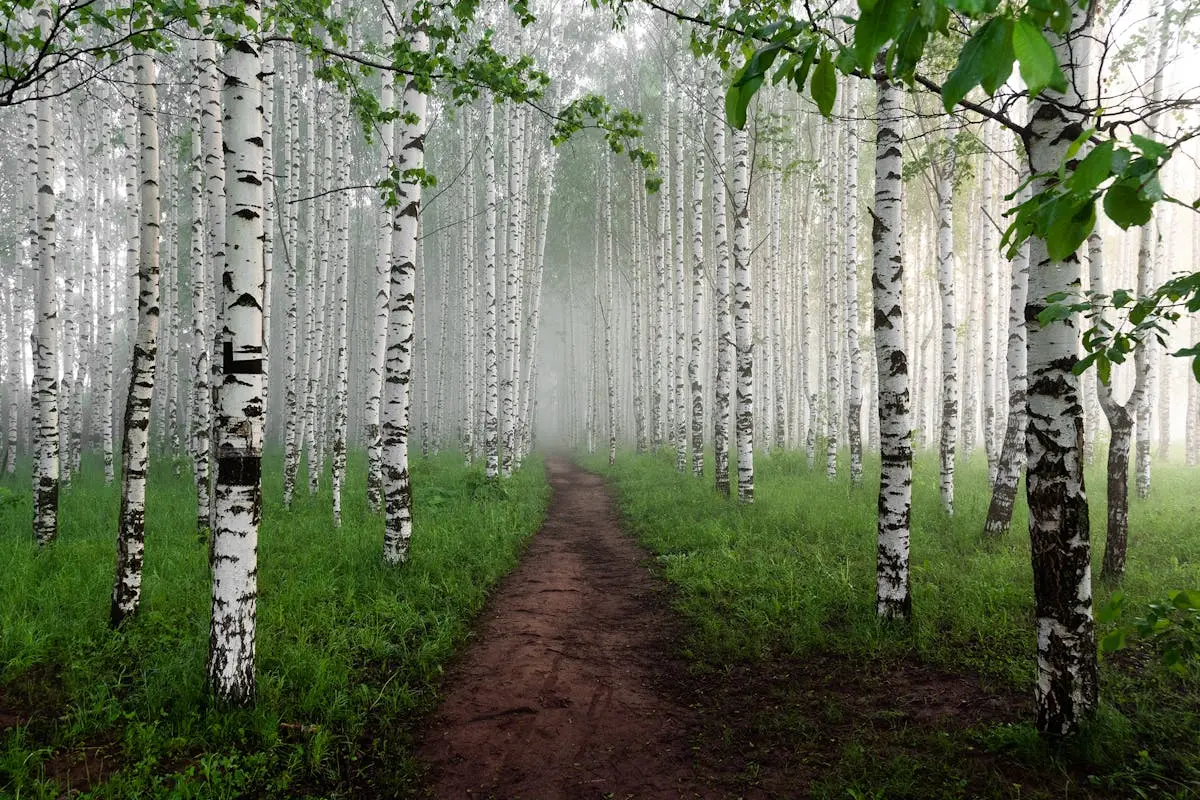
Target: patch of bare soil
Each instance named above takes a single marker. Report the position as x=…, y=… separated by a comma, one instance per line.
x=36, y=698
x=776, y=727
x=33, y=695
x=565, y=692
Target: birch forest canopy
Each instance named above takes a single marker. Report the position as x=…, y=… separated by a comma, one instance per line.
x=338, y=275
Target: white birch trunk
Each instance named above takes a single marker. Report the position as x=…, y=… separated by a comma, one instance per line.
x=410, y=150
x=1066, y=685
x=854, y=390
x=947, y=439
x=724, y=328
x=237, y=492
x=293, y=405
x=379, y=329
x=1012, y=452
x=742, y=325
x=680, y=413
x=135, y=451
x=695, y=364
x=215, y=213
x=45, y=342
x=892, y=597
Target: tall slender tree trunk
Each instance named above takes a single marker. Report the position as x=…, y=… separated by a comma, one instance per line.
x=470, y=442
x=410, y=149
x=1120, y=423
x=853, y=352
x=1145, y=357
x=987, y=246
x=638, y=312
x=1066, y=687
x=293, y=405
x=947, y=440
x=695, y=364
x=491, y=421
x=833, y=271
x=379, y=329
x=45, y=341
x=237, y=492
x=724, y=327
x=1012, y=452
x=215, y=241
x=892, y=597
x=742, y=319
x=680, y=412
x=135, y=451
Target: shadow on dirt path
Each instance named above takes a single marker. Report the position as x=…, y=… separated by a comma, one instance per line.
x=567, y=690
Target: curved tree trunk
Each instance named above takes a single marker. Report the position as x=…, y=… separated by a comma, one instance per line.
x=1120, y=423
x=1012, y=453
x=135, y=451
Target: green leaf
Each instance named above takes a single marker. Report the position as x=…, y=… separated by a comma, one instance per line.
x=737, y=99
x=880, y=22
x=1124, y=206
x=910, y=45
x=986, y=60
x=824, y=85
x=1156, y=150
x=1113, y=642
x=1185, y=600
x=1080, y=141
x=1093, y=170
x=1039, y=65
x=1070, y=223
x=1108, y=612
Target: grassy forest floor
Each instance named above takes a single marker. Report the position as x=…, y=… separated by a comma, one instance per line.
x=800, y=686
x=349, y=651
x=798, y=691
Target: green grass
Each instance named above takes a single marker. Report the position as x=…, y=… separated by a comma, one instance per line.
x=793, y=574
x=349, y=651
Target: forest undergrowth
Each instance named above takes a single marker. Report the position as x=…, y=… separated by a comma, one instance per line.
x=350, y=651
x=800, y=685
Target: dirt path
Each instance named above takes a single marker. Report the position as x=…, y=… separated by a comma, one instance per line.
x=565, y=691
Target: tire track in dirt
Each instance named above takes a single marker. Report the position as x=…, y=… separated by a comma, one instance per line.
x=566, y=690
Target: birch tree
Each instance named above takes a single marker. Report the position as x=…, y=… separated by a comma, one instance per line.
x=45, y=342
x=1012, y=451
x=410, y=152
x=947, y=439
x=379, y=329
x=694, y=363
x=724, y=328
x=237, y=491
x=742, y=320
x=135, y=450
x=892, y=597
x=1066, y=687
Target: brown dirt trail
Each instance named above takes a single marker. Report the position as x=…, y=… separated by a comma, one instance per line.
x=566, y=691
